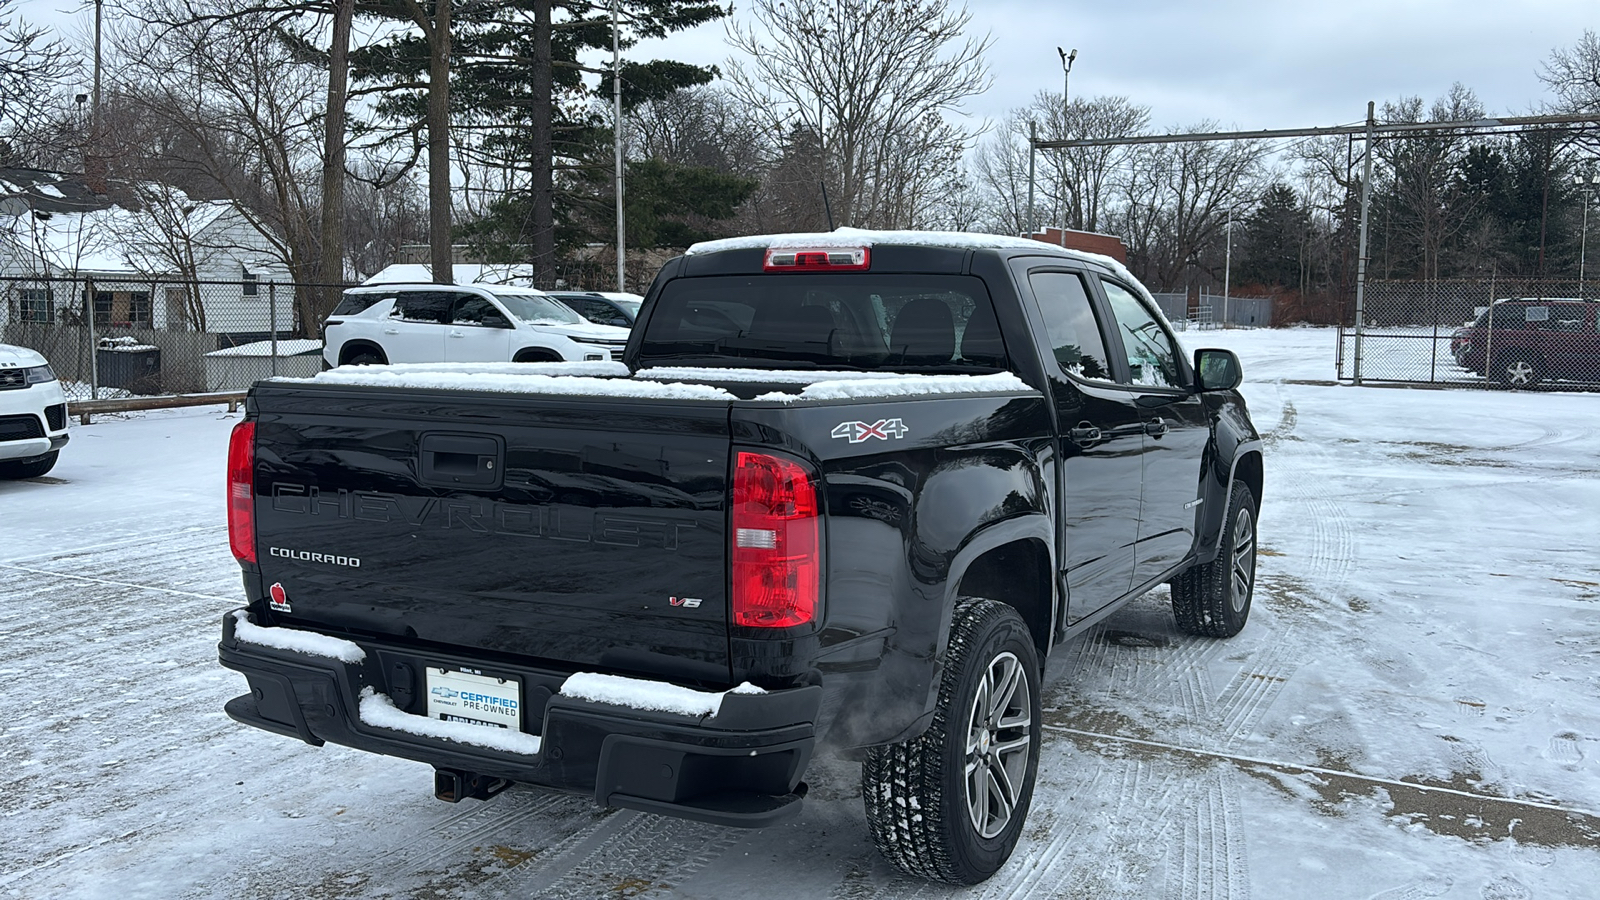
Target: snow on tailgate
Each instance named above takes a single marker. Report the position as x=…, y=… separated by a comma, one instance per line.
x=648, y=695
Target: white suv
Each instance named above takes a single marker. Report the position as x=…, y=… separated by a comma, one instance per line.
x=406, y=323
x=33, y=414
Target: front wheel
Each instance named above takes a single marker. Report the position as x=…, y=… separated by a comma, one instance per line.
x=1214, y=599
x=950, y=804
x=29, y=468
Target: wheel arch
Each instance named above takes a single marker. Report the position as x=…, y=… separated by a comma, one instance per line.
x=1017, y=573
x=536, y=354
x=354, y=346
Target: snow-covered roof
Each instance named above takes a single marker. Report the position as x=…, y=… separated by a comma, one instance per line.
x=59, y=228
x=463, y=273
x=862, y=237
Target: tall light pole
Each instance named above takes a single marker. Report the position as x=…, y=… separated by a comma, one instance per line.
x=616, y=110
x=1066, y=106
x=1588, y=187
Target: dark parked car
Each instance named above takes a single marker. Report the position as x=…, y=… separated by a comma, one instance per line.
x=1523, y=342
x=602, y=308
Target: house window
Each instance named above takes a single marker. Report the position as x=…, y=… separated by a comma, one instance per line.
x=36, y=306
x=127, y=309
x=252, y=285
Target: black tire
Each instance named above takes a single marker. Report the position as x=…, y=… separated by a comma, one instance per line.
x=366, y=357
x=29, y=468
x=1214, y=599
x=918, y=794
x=1518, y=370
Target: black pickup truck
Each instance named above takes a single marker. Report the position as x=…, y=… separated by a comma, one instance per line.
x=844, y=491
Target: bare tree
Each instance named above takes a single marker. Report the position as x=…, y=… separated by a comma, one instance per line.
x=873, y=80
x=33, y=70
x=1573, y=73
x=237, y=116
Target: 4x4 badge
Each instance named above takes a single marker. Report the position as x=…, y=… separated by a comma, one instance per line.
x=883, y=429
x=280, y=598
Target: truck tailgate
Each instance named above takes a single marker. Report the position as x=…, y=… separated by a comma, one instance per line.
x=582, y=532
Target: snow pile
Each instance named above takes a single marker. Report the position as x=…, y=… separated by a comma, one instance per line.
x=586, y=369
x=904, y=386
x=379, y=711
x=655, y=696
x=298, y=641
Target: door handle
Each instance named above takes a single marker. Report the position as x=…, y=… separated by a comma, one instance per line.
x=391, y=331
x=1156, y=427
x=457, y=334
x=1084, y=433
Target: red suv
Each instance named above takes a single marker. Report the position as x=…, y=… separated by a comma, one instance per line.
x=1529, y=340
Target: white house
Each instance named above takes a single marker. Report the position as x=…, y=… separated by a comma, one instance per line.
x=156, y=259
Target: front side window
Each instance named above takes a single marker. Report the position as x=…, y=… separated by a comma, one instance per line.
x=1152, y=357
x=1070, y=323
x=474, y=310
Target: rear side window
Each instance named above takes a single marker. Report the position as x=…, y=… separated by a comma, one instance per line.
x=847, y=320
x=425, y=306
x=351, y=304
x=1069, y=321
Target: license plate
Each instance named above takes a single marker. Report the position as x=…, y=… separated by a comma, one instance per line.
x=457, y=696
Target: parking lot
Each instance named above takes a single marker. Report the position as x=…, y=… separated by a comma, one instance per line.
x=1410, y=712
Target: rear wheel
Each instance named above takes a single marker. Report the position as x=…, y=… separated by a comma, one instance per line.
x=366, y=358
x=29, y=468
x=1519, y=370
x=950, y=804
x=1214, y=599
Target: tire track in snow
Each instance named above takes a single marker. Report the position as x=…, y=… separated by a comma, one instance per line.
x=1205, y=863
x=633, y=854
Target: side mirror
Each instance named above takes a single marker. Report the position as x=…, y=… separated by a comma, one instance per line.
x=620, y=322
x=495, y=320
x=1217, y=370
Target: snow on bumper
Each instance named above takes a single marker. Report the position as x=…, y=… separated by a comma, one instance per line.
x=732, y=757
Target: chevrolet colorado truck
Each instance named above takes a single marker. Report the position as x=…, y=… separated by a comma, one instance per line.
x=843, y=492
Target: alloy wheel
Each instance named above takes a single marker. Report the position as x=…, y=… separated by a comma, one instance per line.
x=998, y=732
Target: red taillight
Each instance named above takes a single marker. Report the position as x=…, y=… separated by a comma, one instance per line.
x=242, y=491
x=776, y=569
x=821, y=259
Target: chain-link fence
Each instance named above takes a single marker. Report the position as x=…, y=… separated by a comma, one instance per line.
x=1540, y=334
x=109, y=338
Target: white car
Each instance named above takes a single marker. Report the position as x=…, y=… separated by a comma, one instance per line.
x=408, y=323
x=33, y=414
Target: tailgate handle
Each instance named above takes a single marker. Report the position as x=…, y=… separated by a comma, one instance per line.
x=461, y=460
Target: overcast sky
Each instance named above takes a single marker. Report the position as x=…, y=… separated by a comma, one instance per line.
x=1241, y=63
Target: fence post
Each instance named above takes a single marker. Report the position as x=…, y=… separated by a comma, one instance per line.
x=94, y=341
x=1361, y=254
x=272, y=315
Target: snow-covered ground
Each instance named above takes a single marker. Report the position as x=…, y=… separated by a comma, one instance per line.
x=1412, y=711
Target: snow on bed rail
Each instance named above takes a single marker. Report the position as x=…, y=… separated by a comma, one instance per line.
x=379, y=711
x=656, y=696
x=903, y=386
x=760, y=376
x=518, y=378
x=298, y=641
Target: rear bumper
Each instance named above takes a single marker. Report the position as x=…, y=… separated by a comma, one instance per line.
x=740, y=767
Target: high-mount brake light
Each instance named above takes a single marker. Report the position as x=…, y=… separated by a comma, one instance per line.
x=818, y=259
x=242, y=492
x=776, y=568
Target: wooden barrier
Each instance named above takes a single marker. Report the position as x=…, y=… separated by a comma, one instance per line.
x=83, y=409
